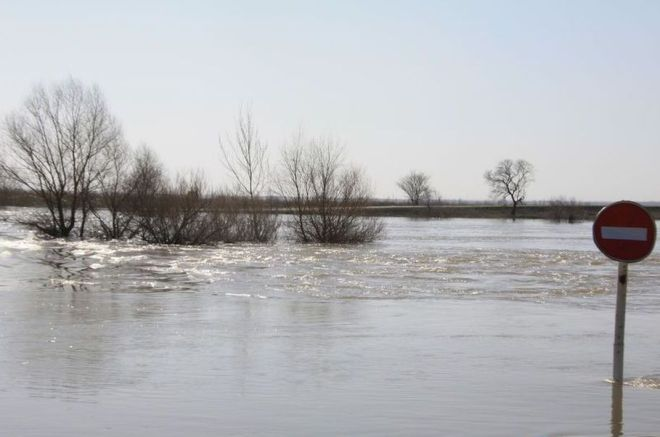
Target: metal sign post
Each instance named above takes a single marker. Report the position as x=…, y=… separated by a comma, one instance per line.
x=620, y=322
x=625, y=232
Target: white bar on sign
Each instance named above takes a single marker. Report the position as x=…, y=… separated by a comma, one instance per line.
x=623, y=233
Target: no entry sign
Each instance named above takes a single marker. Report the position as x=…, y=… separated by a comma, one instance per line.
x=625, y=232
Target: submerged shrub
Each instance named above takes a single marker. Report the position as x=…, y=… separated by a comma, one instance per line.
x=326, y=198
x=245, y=157
x=569, y=210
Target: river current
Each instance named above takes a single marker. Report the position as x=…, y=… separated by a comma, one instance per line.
x=443, y=327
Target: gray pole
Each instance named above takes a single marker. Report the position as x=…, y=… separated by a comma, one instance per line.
x=620, y=322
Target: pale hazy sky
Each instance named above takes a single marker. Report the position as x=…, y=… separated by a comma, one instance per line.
x=445, y=87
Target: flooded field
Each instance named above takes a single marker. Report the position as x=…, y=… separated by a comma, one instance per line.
x=444, y=327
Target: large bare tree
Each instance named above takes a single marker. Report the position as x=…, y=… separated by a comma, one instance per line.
x=417, y=187
x=245, y=156
x=55, y=147
x=327, y=198
x=509, y=180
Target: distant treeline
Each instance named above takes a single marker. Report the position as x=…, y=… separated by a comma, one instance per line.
x=568, y=211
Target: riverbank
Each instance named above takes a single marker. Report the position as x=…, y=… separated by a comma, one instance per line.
x=571, y=213
x=552, y=210
x=546, y=212
x=568, y=211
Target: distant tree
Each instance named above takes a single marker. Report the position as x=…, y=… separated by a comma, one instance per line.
x=509, y=180
x=417, y=187
x=245, y=156
x=55, y=148
x=430, y=196
x=326, y=197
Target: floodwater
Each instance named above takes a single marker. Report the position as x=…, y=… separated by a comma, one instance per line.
x=444, y=327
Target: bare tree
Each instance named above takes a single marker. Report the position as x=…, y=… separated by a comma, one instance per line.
x=147, y=176
x=417, y=187
x=429, y=196
x=111, y=203
x=245, y=156
x=4, y=187
x=327, y=199
x=55, y=148
x=147, y=183
x=509, y=180
x=4, y=180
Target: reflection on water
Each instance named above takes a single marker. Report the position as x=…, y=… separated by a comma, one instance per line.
x=617, y=410
x=446, y=327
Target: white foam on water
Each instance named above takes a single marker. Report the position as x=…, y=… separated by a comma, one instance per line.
x=125, y=259
x=59, y=281
x=172, y=268
x=245, y=295
x=238, y=294
x=652, y=382
x=27, y=244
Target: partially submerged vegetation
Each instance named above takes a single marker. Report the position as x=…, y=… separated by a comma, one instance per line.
x=58, y=145
x=552, y=210
x=66, y=152
x=326, y=198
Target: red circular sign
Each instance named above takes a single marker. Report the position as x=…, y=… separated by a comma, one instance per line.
x=624, y=231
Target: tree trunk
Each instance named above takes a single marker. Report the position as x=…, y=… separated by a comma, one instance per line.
x=513, y=210
x=83, y=221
